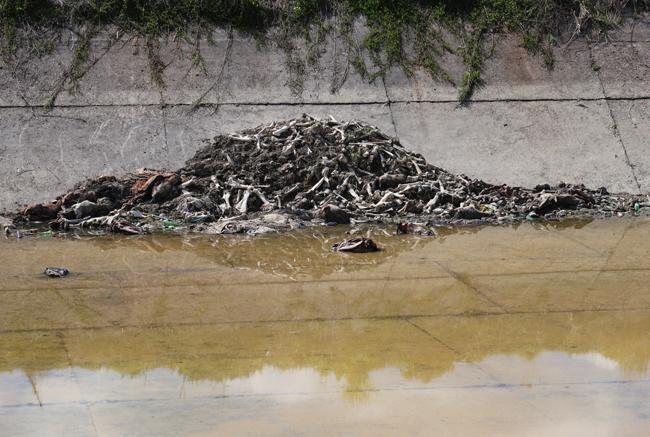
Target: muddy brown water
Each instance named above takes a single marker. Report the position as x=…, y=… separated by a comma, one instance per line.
x=525, y=330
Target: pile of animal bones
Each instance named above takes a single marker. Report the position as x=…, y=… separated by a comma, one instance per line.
x=309, y=171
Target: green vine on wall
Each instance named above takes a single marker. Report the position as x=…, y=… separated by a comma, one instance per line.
x=406, y=34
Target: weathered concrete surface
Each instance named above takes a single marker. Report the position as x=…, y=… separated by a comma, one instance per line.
x=187, y=84
x=514, y=74
x=633, y=30
x=525, y=133
x=252, y=75
x=510, y=74
x=633, y=120
x=31, y=82
x=527, y=124
x=624, y=69
x=47, y=153
x=117, y=74
x=43, y=153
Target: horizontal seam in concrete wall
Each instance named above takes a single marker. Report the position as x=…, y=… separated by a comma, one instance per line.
x=371, y=102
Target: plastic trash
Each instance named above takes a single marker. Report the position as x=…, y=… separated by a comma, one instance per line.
x=56, y=272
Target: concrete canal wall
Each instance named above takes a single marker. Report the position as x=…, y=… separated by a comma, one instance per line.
x=587, y=120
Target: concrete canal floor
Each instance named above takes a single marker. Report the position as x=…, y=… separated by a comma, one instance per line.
x=537, y=329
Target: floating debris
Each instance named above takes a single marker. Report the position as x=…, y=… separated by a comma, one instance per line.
x=309, y=171
x=56, y=272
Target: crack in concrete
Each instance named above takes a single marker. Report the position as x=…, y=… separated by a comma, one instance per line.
x=390, y=107
x=163, y=115
x=615, y=130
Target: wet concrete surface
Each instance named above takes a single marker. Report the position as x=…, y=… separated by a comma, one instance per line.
x=536, y=329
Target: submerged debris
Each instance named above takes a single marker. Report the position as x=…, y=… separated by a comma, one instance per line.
x=356, y=245
x=56, y=272
x=307, y=171
x=414, y=228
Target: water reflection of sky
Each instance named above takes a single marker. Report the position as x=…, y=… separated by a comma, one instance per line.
x=555, y=393
x=519, y=331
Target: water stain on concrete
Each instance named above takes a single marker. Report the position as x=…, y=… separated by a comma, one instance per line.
x=545, y=333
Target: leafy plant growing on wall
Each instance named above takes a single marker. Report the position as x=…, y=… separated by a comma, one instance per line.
x=406, y=34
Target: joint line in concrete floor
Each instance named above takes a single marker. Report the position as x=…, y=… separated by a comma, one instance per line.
x=75, y=378
x=463, y=279
x=478, y=365
x=426, y=332
x=488, y=386
x=322, y=320
x=598, y=271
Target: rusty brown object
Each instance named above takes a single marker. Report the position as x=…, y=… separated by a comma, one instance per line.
x=159, y=186
x=42, y=211
x=166, y=189
x=144, y=187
